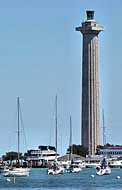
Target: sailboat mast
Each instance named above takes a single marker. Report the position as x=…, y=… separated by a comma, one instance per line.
x=56, y=125
x=18, y=132
x=70, y=139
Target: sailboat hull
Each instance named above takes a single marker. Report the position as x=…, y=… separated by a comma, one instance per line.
x=17, y=172
x=55, y=171
x=104, y=171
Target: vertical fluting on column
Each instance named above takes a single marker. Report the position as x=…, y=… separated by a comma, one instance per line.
x=97, y=97
x=90, y=83
x=85, y=95
x=90, y=96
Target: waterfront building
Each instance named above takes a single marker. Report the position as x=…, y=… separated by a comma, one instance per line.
x=41, y=156
x=112, y=151
x=90, y=83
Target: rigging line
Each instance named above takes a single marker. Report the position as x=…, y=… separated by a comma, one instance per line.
x=56, y=122
x=23, y=128
x=51, y=127
x=18, y=131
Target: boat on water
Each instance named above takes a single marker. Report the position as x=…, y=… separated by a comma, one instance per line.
x=72, y=167
x=114, y=163
x=92, y=164
x=55, y=168
x=103, y=169
x=80, y=163
x=17, y=171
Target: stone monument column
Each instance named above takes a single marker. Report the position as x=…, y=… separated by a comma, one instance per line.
x=90, y=83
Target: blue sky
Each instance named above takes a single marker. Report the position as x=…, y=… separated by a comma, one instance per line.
x=40, y=56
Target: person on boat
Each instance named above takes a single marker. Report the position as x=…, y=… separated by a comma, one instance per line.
x=104, y=164
x=54, y=166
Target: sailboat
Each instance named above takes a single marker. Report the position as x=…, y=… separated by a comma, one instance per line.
x=103, y=169
x=55, y=168
x=17, y=171
x=72, y=167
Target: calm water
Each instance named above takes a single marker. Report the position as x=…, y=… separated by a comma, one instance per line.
x=39, y=180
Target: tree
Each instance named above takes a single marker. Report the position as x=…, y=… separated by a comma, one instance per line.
x=107, y=145
x=11, y=156
x=78, y=149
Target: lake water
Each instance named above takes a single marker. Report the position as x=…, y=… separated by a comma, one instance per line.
x=39, y=180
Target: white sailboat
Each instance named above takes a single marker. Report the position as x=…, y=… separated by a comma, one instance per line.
x=103, y=169
x=56, y=168
x=72, y=167
x=17, y=171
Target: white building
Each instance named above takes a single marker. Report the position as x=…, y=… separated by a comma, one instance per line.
x=113, y=151
x=41, y=156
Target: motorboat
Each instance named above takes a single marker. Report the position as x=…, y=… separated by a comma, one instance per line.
x=92, y=161
x=73, y=168
x=80, y=164
x=103, y=169
x=115, y=163
x=55, y=169
x=92, y=165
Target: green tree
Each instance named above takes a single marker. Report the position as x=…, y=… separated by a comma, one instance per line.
x=11, y=156
x=78, y=149
x=106, y=146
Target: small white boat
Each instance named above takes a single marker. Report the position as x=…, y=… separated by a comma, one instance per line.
x=73, y=168
x=115, y=163
x=92, y=165
x=103, y=169
x=56, y=169
x=17, y=172
x=80, y=164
